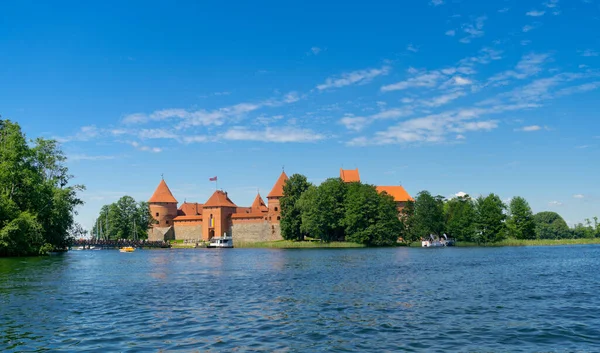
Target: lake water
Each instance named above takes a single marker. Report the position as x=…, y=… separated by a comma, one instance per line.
x=306, y=300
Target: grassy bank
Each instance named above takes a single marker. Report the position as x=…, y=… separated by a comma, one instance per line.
x=287, y=244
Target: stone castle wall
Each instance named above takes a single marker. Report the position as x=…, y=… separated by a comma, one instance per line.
x=254, y=231
x=161, y=233
x=191, y=231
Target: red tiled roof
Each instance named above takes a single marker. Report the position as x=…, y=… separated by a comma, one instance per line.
x=219, y=199
x=190, y=209
x=397, y=192
x=247, y=215
x=277, y=190
x=259, y=205
x=162, y=194
x=188, y=218
x=349, y=175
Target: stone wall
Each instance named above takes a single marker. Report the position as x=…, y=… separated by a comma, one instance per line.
x=188, y=231
x=254, y=231
x=161, y=233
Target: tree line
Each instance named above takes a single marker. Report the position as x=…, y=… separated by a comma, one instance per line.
x=37, y=201
x=486, y=220
x=338, y=211
x=124, y=219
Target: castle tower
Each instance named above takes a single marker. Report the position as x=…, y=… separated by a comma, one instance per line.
x=349, y=175
x=216, y=215
x=274, y=196
x=163, y=206
x=259, y=205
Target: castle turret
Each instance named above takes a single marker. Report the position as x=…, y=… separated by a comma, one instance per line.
x=259, y=205
x=163, y=206
x=216, y=215
x=274, y=196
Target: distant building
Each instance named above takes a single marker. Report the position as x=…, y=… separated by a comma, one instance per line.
x=401, y=197
x=219, y=215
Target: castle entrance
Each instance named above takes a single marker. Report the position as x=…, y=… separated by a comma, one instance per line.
x=211, y=233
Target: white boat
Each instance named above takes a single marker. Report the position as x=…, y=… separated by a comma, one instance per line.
x=221, y=242
x=79, y=248
x=435, y=241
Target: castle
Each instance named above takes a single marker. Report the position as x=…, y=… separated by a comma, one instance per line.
x=220, y=216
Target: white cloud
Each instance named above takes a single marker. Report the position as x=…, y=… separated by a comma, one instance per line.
x=535, y=13
x=144, y=148
x=473, y=30
x=450, y=33
x=525, y=42
x=427, y=79
x=461, y=194
x=554, y=203
x=531, y=27
x=530, y=128
x=461, y=137
x=412, y=48
x=589, y=52
x=504, y=10
x=461, y=81
x=156, y=134
x=195, y=139
x=579, y=196
x=443, y=99
x=315, y=50
x=436, y=2
x=551, y=4
x=85, y=133
x=354, y=77
x=529, y=65
x=280, y=135
x=357, y=123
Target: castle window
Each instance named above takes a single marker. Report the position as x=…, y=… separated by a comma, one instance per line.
x=275, y=209
x=269, y=218
x=278, y=218
x=156, y=214
x=168, y=221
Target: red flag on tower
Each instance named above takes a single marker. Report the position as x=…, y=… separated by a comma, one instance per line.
x=213, y=179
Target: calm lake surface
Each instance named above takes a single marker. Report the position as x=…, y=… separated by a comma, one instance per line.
x=451, y=299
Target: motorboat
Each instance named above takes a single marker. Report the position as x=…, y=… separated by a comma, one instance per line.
x=435, y=241
x=127, y=249
x=221, y=242
x=79, y=248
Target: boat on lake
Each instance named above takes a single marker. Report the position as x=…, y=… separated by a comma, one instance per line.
x=435, y=241
x=127, y=249
x=221, y=242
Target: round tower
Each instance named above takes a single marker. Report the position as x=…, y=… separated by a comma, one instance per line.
x=163, y=206
x=274, y=214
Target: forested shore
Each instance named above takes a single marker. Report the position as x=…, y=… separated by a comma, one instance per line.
x=37, y=199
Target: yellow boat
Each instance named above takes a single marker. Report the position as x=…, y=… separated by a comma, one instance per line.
x=127, y=249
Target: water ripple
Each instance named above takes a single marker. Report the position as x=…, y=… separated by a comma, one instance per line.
x=379, y=300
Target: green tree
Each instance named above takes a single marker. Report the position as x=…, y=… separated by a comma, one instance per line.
x=124, y=219
x=550, y=225
x=460, y=218
x=35, y=195
x=520, y=223
x=408, y=231
x=323, y=210
x=490, y=225
x=429, y=214
x=370, y=218
x=291, y=218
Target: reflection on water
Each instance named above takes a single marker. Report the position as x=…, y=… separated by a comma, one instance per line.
x=454, y=299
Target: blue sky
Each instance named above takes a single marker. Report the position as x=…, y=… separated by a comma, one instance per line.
x=443, y=95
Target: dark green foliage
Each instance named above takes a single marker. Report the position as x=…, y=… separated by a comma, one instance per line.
x=291, y=219
x=36, y=202
x=587, y=229
x=550, y=225
x=429, y=215
x=408, y=231
x=124, y=219
x=371, y=218
x=460, y=218
x=490, y=217
x=323, y=210
x=520, y=224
